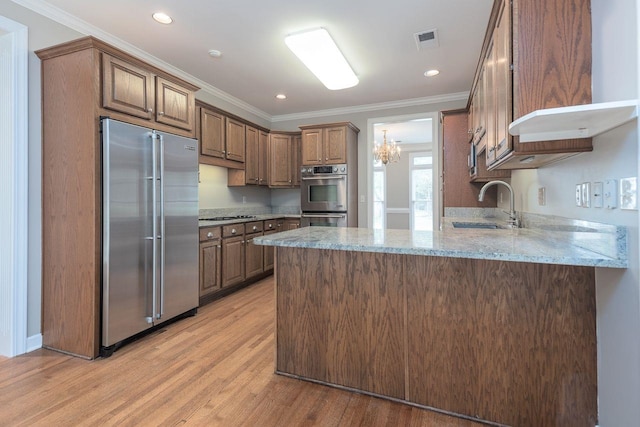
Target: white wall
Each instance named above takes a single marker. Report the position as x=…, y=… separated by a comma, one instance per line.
x=214, y=193
x=615, y=156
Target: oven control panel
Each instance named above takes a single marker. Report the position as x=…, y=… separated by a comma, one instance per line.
x=324, y=170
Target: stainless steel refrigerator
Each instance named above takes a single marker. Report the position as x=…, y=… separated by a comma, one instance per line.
x=150, y=230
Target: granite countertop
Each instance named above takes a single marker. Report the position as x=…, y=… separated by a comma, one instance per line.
x=258, y=217
x=560, y=244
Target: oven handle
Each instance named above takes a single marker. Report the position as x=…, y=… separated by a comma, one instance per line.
x=320, y=178
x=322, y=216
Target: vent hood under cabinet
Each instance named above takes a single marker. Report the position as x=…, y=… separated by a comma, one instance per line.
x=578, y=121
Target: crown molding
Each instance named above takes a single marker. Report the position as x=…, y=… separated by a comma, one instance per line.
x=459, y=96
x=60, y=16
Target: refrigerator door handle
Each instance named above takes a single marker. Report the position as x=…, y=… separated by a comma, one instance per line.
x=154, y=213
x=162, y=226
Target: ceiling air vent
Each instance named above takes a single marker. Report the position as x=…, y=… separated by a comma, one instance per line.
x=426, y=39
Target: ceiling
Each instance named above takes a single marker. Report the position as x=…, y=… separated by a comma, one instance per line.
x=376, y=36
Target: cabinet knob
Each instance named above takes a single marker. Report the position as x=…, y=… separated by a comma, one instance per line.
x=149, y=110
x=209, y=235
x=255, y=228
x=224, y=152
x=219, y=247
x=289, y=181
x=326, y=159
x=161, y=113
x=258, y=180
x=233, y=231
x=270, y=225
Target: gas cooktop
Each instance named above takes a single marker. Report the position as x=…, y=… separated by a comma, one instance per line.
x=226, y=218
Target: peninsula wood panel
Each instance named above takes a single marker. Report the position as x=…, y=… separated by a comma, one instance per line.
x=366, y=321
x=515, y=342
x=302, y=315
x=71, y=200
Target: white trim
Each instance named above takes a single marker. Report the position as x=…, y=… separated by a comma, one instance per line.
x=398, y=211
x=374, y=107
x=434, y=185
x=19, y=198
x=34, y=342
x=75, y=23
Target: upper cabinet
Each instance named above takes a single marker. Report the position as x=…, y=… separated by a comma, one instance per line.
x=137, y=90
x=284, y=155
x=212, y=133
x=536, y=55
x=235, y=140
x=327, y=144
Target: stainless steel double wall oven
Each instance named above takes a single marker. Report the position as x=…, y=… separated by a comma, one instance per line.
x=324, y=195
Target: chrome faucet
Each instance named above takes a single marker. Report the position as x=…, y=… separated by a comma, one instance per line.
x=513, y=218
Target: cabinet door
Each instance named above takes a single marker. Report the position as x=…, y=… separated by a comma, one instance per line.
x=312, y=146
x=502, y=70
x=232, y=260
x=209, y=267
x=268, y=253
x=175, y=104
x=127, y=88
x=254, y=257
x=291, y=224
x=296, y=144
x=212, y=133
x=235, y=140
x=335, y=145
x=280, y=161
x=489, y=104
x=263, y=158
x=251, y=164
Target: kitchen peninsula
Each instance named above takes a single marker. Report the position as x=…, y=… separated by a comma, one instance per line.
x=496, y=325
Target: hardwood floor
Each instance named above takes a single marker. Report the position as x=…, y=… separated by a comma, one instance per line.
x=214, y=369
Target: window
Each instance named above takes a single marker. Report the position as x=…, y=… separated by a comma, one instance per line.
x=421, y=191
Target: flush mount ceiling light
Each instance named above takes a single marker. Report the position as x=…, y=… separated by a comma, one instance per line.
x=162, y=18
x=215, y=53
x=281, y=96
x=431, y=73
x=317, y=50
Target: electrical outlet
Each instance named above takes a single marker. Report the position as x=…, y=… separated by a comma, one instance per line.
x=597, y=194
x=586, y=194
x=542, y=200
x=578, y=195
x=244, y=199
x=629, y=193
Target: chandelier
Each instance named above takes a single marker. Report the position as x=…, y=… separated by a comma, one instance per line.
x=386, y=153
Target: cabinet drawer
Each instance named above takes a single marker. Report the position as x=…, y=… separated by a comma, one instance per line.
x=232, y=230
x=270, y=224
x=253, y=227
x=209, y=233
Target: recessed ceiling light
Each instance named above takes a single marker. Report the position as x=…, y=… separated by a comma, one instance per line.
x=215, y=53
x=281, y=96
x=317, y=50
x=162, y=18
x=431, y=73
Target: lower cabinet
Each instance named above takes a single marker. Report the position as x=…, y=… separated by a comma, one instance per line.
x=254, y=254
x=210, y=260
x=233, y=254
x=268, y=252
x=291, y=224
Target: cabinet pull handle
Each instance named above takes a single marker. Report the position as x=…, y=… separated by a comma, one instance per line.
x=161, y=113
x=209, y=235
x=233, y=231
x=224, y=152
x=149, y=110
x=502, y=143
x=219, y=247
x=255, y=228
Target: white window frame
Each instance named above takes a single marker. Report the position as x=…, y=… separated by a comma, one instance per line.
x=383, y=169
x=413, y=167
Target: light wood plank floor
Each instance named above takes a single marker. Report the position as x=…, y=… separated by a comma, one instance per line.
x=214, y=369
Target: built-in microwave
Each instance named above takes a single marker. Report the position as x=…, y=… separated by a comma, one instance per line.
x=323, y=188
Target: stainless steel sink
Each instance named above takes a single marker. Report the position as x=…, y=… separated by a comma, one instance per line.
x=484, y=225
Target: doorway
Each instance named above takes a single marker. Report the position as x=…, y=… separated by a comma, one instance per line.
x=405, y=194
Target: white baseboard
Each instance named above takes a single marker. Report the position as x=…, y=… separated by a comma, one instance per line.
x=34, y=342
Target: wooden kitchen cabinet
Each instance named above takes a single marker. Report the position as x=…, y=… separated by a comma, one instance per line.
x=210, y=260
x=233, y=254
x=252, y=153
x=519, y=74
x=83, y=80
x=284, y=169
x=327, y=144
x=212, y=133
x=263, y=158
x=291, y=224
x=235, y=140
x=137, y=91
x=254, y=254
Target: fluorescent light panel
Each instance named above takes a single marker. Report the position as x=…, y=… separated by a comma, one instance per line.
x=317, y=50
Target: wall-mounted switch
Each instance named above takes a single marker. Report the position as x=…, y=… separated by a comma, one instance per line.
x=629, y=193
x=610, y=194
x=542, y=200
x=586, y=194
x=597, y=194
x=578, y=195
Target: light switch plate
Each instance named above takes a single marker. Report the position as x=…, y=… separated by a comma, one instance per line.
x=610, y=194
x=578, y=195
x=629, y=193
x=586, y=194
x=597, y=194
